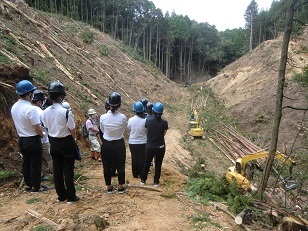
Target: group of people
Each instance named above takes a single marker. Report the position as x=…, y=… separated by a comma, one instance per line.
x=33, y=125
x=55, y=125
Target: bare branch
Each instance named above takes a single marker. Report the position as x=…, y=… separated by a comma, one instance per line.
x=295, y=108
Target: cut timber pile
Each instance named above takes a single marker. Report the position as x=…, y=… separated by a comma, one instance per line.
x=233, y=145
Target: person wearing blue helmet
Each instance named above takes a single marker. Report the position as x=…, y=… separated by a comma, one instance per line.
x=27, y=123
x=155, y=146
x=137, y=138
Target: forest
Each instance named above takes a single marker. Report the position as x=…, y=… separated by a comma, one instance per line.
x=182, y=48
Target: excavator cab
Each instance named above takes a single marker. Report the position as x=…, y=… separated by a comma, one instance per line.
x=195, y=130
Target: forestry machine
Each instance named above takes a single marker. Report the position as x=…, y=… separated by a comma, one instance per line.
x=241, y=176
x=195, y=130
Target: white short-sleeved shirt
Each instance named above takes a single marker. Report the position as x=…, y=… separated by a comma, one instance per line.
x=54, y=119
x=45, y=137
x=138, y=132
x=113, y=125
x=25, y=116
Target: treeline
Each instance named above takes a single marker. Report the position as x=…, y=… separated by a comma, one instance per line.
x=180, y=47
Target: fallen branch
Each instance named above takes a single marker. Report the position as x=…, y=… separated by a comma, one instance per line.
x=145, y=188
x=40, y=216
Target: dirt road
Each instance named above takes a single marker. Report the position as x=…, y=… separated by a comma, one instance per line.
x=139, y=208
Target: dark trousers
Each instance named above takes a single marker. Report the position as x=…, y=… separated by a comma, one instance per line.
x=113, y=153
x=150, y=153
x=138, y=156
x=63, y=151
x=31, y=150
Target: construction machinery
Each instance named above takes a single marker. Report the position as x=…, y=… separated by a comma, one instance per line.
x=241, y=175
x=195, y=130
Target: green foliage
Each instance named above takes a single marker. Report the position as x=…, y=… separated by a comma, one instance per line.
x=103, y=50
x=43, y=227
x=207, y=187
x=130, y=51
x=4, y=59
x=33, y=200
x=8, y=176
x=302, y=77
x=41, y=75
x=203, y=220
x=87, y=37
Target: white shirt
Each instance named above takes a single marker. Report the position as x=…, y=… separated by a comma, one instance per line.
x=113, y=125
x=54, y=119
x=25, y=116
x=44, y=130
x=138, y=132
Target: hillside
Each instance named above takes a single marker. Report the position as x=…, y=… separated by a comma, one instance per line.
x=247, y=88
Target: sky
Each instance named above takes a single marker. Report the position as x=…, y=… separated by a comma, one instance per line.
x=224, y=14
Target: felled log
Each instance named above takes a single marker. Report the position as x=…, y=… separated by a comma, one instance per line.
x=40, y=216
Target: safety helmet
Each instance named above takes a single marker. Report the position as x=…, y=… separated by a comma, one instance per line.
x=38, y=95
x=138, y=107
x=107, y=105
x=114, y=99
x=158, y=108
x=24, y=86
x=149, y=107
x=91, y=111
x=66, y=105
x=144, y=101
x=56, y=86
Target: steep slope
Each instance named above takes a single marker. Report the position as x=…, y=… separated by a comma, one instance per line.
x=50, y=48
x=248, y=89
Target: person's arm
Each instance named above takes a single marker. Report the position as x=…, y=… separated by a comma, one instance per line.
x=165, y=132
x=73, y=133
x=38, y=130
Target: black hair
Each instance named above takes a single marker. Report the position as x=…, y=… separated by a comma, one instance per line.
x=114, y=108
x=157, y=115
x=141, y=114
x=54, y=96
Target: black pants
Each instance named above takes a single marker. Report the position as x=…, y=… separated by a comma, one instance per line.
x=150, y=153
x=31, y=150
x=62, y=151
x=138, y=156
x=113, y=153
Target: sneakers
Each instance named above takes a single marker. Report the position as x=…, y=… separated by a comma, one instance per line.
x=110, y=190
x=41, y=189
x=156, y=185
x=70, y=202
x=60, y=200
x=121, y=190
x=142, y=182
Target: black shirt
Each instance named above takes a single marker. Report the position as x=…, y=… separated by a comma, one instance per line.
x=156, y=131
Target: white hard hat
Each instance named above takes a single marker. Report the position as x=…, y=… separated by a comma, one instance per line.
x=91, y=111
x=66, y=105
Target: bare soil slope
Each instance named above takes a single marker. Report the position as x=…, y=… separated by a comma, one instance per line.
x=248, y=89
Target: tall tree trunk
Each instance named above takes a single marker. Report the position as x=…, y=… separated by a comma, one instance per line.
x=279, y=97
x=250, y=40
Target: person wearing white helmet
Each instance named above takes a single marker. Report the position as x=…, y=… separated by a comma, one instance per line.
x=92, y=127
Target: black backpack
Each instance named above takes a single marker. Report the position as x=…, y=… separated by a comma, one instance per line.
x=84, y=131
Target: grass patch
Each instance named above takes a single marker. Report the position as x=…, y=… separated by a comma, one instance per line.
x=103, y=50
x=202, y=220
x=87, y=37
x=41, y=75
x=43, y=227
x=168, y=196
x=33, y=200
x=8, y=176
x=302, y=77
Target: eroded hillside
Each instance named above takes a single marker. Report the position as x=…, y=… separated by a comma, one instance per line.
x=89, y=63
x=248, y=89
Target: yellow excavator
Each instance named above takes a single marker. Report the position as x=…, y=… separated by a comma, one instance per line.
x=195, y=130
x=240, y=175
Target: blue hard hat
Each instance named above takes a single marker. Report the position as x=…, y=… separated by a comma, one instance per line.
x=24, y=86
x=158, y=108
x=138, y=107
